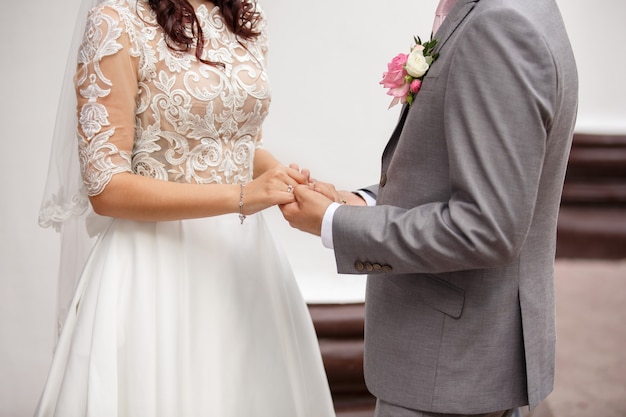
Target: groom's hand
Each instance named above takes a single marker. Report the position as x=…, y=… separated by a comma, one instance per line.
x=307, y=212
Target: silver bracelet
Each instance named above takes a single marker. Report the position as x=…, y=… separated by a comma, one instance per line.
x=242, y=216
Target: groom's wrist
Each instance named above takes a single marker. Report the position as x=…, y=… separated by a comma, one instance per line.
x=366, y=196
x=327, y=225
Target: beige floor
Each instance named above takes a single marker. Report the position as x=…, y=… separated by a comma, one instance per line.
x=591, y=341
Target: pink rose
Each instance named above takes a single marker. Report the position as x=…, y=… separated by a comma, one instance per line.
x=400, y=91
x=399, y=94
x=415, y=86
x=394, y=77
x=397, y=63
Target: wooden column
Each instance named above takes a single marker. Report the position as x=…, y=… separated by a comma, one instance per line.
x=592, y=220
x=339, y=329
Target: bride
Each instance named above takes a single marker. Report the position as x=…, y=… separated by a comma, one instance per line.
x=184, y=306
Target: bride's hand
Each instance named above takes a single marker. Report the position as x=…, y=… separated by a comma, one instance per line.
x=274, y=186
x=327, y=190
x=338, y=196
x=303, y=171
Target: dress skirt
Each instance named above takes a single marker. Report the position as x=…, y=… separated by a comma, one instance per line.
x=187, y=319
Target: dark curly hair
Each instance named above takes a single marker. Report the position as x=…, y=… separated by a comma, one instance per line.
x=176, y=17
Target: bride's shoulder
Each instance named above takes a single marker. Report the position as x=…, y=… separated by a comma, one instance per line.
x=131, y=16
x=118, y=9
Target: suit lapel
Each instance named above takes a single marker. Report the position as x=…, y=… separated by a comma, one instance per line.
x=458, y=13
x=393, y=140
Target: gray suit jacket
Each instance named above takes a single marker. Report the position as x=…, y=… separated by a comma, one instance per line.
x=460, y=247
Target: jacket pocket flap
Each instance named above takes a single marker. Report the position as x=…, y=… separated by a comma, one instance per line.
x=434, y=292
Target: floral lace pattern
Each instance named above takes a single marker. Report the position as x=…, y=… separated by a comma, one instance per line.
x=192, y=122
x=55, y=211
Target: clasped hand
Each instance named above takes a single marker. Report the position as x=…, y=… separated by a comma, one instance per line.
x=311, y=202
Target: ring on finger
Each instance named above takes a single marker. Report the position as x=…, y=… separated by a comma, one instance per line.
x=289, y=188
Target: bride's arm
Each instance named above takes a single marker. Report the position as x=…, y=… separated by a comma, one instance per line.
x=136, y=197
x=132, y=196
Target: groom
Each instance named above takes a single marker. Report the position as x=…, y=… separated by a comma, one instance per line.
x=460, y=245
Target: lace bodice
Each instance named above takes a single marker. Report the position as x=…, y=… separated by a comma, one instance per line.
x=164, y=114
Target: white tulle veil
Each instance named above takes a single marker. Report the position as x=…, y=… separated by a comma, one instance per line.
x=65, y=206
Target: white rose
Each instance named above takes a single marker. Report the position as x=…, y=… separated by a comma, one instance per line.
x=416, y=66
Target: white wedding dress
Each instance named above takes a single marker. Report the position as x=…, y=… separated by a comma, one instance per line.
x=182, y=318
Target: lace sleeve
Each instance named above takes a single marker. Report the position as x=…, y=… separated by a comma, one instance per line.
x=106, y=87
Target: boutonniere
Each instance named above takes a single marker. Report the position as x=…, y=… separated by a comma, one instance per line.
x=405, y=72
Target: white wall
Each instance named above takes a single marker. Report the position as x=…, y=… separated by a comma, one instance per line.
x=328, y=114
